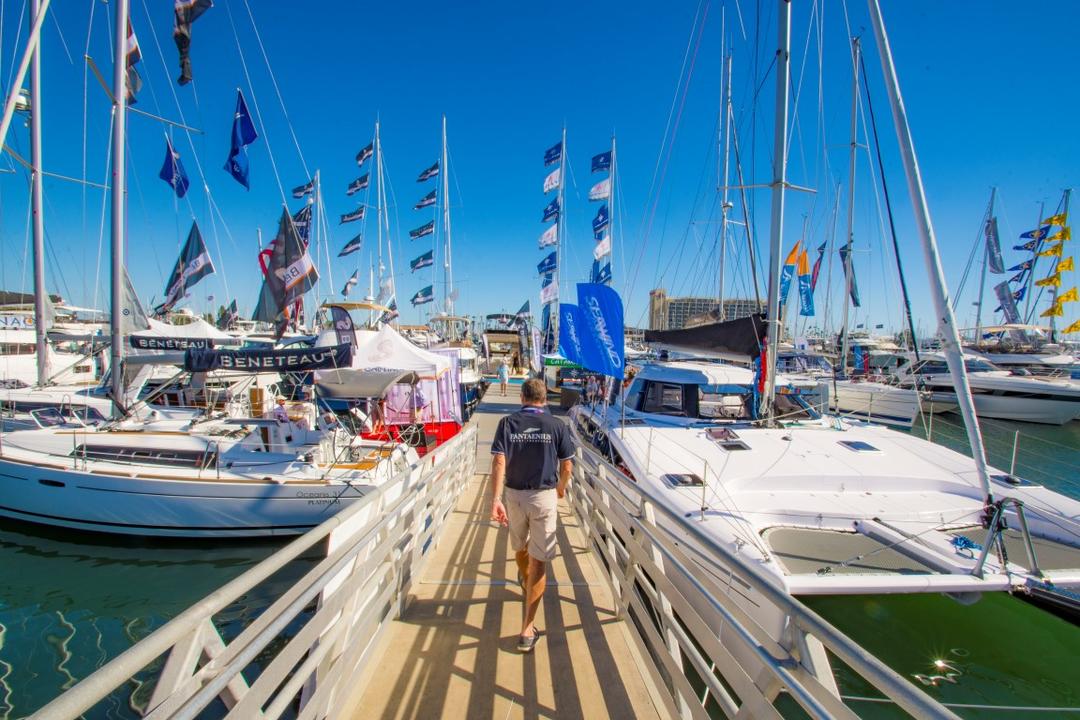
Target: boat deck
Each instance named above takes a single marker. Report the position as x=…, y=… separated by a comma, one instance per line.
x=453, y=653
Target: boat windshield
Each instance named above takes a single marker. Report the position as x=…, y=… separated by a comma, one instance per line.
x=800, y=363
x=939, y=367
x=724, y=402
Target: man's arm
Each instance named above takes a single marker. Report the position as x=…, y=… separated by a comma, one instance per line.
x=567, y=448
x=565, y=468
x=498, y=477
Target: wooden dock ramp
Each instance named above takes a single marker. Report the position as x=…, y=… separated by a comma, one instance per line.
x=453, y=653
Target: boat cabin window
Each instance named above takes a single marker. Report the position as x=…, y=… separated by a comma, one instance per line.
x=790, y=406
x=633, y=395
x=664, y=399
x=723, y=402
x=150, y=456
x=940, y=367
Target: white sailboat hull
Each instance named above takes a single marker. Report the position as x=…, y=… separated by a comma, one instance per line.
x=1008, y=407
x=876, y=402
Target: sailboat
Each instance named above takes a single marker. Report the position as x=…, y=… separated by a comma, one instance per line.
x=817, y=505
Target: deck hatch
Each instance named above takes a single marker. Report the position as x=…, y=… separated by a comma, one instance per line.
x=859, y=446
x=682, y=480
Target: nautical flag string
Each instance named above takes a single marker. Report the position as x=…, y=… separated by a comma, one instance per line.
x=1058, y=219
x=132, y=83
x=350, y=283
x=185, y=13
x=553, y=154
x=426, y=229
x=551, y=182
x=550, y=236
x=426, y=201
x=301, y=190
x=365, y=153
x=425, y=260
x=429, y=173
x=601, y=162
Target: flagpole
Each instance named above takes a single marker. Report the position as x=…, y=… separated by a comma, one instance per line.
x=40, y=292
x=725, y=205
x=611, y=215
x=1034, y=262
x=561, y=223
x=448, y=269
x=119, y=163
x=848, y=260
x=986, y=256
x=1053, y=288
x=779, y=184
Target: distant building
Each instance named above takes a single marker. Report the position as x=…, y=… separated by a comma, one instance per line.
x=634, y=335
x=674, y=313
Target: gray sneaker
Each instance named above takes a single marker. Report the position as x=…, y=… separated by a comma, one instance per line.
x=526, y=644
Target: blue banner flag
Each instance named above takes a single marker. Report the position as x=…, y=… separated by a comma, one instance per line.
x=172, y=171
x=551, y=212
x=553, y=154
x=357, y=214
x=602, y=315
x=426, y=229
x=548, y=264
x=817, y=267
x=806, y=290
x=349, y=284
x=600, y=222
x=352, y=246
x=849, y=271
x=423, y=295
x=1018, y=277
x=1030, y=246
x=429, y=173
x=243, y=134
x=1037, y=234
x=547, y=278
x=301, y=190
x=358, y=184
x=365, y=153
x=788, y=272
x=994, y=261
x=1026, y=265
x=302, y=223
x=601, y=162
x=423, y=261
x=571, y=337
x=426, y=201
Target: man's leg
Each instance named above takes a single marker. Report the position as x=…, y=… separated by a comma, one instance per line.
x=535, y=581
x=522, y=559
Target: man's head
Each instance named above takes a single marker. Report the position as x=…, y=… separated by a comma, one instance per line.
x=533, y=392
x=280, y=400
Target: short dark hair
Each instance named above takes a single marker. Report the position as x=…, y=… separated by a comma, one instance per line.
x=533, y=391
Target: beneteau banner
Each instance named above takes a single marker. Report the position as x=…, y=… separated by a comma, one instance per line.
x=258, y=360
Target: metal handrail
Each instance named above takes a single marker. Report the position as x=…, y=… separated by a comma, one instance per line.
x=176, y=635
x=601, y=503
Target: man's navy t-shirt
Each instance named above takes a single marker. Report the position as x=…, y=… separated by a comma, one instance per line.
x=533, y=442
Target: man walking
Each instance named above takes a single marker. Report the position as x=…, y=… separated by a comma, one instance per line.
x=532, y=455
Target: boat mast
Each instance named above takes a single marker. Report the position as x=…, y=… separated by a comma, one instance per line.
x=1034, y=262
x=1053, y=289
x=725, y=204
x=448, y=267
x=939, y=293
x=32, y=42
x=40, y=293
x=848, y=264
x=986, y=258
x=611, y=214
x=779, y=183
x=119, y=161
x=560, y=221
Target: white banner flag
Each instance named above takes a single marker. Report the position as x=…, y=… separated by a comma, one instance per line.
x=601, y=190
x=551, y=182
x=549, y=293
x=602, y=248
x=550, y=236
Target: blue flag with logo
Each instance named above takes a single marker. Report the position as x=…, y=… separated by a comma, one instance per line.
x=601, y=162
x=172, y=171
x=551, y=212
x=243, y=134
x=1026, y=265
x=600, y=222
x=602, y=318
x=548, y=264
x=601, y=273
x=553, y=154
x=850, y=271
x=806, y=289
x=1030, y=246
x=1037, y=234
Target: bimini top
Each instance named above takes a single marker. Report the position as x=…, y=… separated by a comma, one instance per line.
x=696, y=372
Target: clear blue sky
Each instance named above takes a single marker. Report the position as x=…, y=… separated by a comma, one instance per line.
x=990, y=90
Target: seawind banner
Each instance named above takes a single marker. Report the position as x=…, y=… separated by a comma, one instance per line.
x=602, y=314
x=571, y=334
x=255, y=360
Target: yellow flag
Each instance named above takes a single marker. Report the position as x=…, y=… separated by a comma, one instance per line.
x=1052, y=251
x=1069, y=296
x=1052, y=281
x=1075, y=327
x=1054, y=310
x=1066, y=264
x=1062, y=234
x=1058, y=219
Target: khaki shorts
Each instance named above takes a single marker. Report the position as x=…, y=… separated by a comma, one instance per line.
x=532, y=515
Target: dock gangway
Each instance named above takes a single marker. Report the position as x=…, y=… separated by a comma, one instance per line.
x=409, y=612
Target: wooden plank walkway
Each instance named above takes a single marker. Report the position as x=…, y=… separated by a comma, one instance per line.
x=454, y=655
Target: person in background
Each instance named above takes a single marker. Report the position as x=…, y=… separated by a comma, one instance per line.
x=504, y=377
x=532, y=456
x=279, y=412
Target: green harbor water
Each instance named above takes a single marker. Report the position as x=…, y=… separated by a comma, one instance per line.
x=69, y=602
